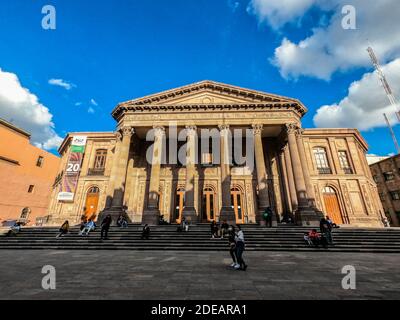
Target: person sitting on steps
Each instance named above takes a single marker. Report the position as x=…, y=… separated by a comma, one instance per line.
x=145, y=232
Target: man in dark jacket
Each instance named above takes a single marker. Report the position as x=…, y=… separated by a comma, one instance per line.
x=326, y=230
x=105, y=226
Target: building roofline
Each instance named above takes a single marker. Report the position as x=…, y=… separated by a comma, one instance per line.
x=14, y=128
x=352, y=131
x=89, y=134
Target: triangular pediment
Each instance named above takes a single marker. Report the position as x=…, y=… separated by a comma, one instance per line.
x=207, y=93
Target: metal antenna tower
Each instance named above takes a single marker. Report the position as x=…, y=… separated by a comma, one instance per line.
x=389, y=94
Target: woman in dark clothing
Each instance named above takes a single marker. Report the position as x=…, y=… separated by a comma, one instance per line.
x=232, y=245
x=105, y=226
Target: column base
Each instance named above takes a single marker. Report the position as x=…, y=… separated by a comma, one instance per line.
x=113, y=212
x=227, y=214
x=151, y=217
x=308, y=217
x=189, y=213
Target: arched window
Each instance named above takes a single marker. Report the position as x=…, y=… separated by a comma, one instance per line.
x=329, y=190
x=25, y=213
x=321, y=160
x=93, y=190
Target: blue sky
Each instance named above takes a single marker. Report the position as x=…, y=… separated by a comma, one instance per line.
x=112, y=51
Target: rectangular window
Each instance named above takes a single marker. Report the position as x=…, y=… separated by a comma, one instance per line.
x=100, y=159
x=388, y=176
x=395, y=195
x=344, y=162
x=39, y=162
x=321, y=161
x=31, y=188
x=382, y=196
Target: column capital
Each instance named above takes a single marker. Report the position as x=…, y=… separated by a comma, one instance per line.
x=223, y=127
x=159, y=130
x=257, y=129
x=127, y=131
x=191, y=130
x=291, y=128
x=299, y=133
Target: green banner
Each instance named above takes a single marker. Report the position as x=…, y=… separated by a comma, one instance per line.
x=78, y=149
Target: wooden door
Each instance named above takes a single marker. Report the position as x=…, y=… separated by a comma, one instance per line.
x=332, y=205
x=208, y=205
x=92, y=201
x=236, y=198
x=179, y=201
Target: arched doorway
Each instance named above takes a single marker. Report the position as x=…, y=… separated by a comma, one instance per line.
x=209, y=205
x=332, y=205
x=92, y=201
x=179, y=201
x=237, y=204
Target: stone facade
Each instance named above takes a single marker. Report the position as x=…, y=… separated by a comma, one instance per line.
x=299, y=173
x=386, y=174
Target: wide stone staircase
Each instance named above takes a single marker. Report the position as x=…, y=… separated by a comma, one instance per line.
x=282, y=238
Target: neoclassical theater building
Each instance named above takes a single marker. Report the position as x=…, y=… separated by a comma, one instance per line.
x=298, y=173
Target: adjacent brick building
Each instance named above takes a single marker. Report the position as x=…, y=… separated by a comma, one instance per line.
x=27, y=175
x=386, y=174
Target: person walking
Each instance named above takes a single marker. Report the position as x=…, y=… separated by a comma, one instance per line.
x=232, y=245
x=64, y=229
x=239, y=239
x=105, y=227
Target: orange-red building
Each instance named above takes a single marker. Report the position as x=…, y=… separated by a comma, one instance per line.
x=27, y=175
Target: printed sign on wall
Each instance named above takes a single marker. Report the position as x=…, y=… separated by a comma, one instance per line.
x=73, y=169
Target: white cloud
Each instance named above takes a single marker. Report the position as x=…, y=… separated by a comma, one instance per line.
x=91, y=110
x=93, y=102
x=19, y=105
x=78, y=104
x=365, y=103
x=279, y=12
x=330, y=48
x=62, y=83
x=233, y=5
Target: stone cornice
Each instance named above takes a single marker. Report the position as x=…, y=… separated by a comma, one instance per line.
x=283, y=106
x=159, y=101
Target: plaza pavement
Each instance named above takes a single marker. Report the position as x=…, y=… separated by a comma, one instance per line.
x=198, y=275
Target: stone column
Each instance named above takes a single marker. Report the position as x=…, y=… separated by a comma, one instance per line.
x=227, y=214
x=303, y=159
x=122, y=167
x=285, y=183
x=305, y=215
x=263, y=197
x=297, y=166
x=189, y=212
x=117, y=183
x=152, y=213
x=290, y=177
